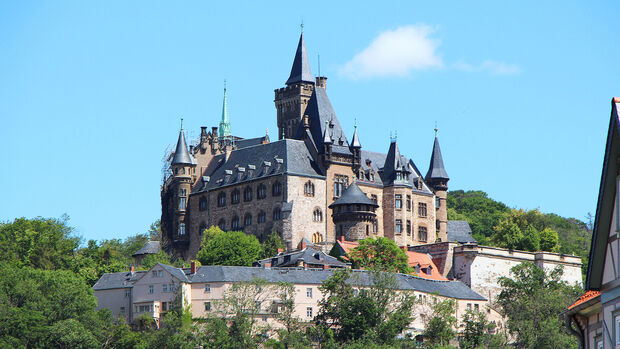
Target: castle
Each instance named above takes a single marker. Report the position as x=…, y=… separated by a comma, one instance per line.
x=312, y=183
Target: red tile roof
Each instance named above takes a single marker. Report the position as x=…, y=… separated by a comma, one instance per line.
x=585, y=297
x=415, y=259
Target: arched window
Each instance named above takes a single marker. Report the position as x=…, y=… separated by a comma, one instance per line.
x=317, y=215
x=276, y=189
x=317, y=238
x=309, y=189
x=235, y=196
x=261, y=192
x=222, y=224
x=262, y=217
x=276, y=214
x=247, y=194
x=221, y=199
x=234, y=223
x=203, y=203
x=247, y=220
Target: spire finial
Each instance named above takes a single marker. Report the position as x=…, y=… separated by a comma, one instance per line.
x=302, y=25
x=224, y=85
x=355, y=123
x=181, y=124
x=436, y=129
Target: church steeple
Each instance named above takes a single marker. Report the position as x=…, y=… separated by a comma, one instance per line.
x=301, y=65
x=225, y=123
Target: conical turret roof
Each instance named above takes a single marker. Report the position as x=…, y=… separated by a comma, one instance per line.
x=301, y=65
x=436, y=169
x=353, y=195
x=181, y=155
x=355, y=142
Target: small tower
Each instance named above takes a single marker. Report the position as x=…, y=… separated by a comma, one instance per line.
x=291, y=101
x=354, y=214
x=356, y=150
x=183, y=175
x=437, y=178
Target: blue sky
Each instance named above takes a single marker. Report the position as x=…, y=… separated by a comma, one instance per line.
x=91, y=93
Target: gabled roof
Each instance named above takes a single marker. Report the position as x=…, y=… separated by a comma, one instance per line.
x=300, y=71
x=181, y=155
x=589, y=295
x=321, y=117
x=606, y=197
x=151, y=247
x=436, y=170
x=353, y=195
x=246, y=164
x=307, y=255
x=459, y=231
x=393, y=162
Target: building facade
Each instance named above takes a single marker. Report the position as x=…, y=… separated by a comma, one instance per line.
x=289, y=185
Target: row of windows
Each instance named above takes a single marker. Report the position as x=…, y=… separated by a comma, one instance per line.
x=309, y=189
x=247, y=219
x=235, y=195
x=165, y=288
x=422, y=231
x=398, y=203
x=274, y=309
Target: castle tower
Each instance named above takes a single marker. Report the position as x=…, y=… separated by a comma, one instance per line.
x=356, y=150
x=291, y=101
x=437, y=178
x=354, y=214
x=176, y=195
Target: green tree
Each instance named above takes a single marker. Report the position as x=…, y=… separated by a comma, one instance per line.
x=354, y=309
x=228, y=248
x=380, y=254
x=530, y=240
x=477, y=331
x=176, y=328
x=272, y=244
x=533, y=300
x=440, y=329
x=482, y=212
x=549, y=240
x=507, y=235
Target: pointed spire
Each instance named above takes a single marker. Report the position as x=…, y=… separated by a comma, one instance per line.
x=225, y=123
x=327, y=139
x=355, y=142
x=436, y=169
x=181, y=155
x=301, y=65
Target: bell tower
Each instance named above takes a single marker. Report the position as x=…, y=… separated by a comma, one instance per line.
x=291, y=101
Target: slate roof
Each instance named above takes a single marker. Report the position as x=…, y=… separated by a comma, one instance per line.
x=355, y=142
x=394, y=162
x=117, y=280
x=436, y=168
x=249, y=163
x=321, y=114
x=248, y=142
x=353, y=195
x=460, y=231
x=151, y=247
x=300, y=71
x=308, y=255
x=181, y=155
x=373, y=162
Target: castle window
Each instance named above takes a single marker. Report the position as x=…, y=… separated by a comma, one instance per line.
x=340, y=183
x=398, y=201
x=317, y=238
x=203, y=204
x=422, y=209
x=408, y=202
x=437, y=224
x=182, y=204
x=261, y=192
x=247, y=220
x=398, y=176
x=422, y=234
x=181, y=228
x=276, y=214
x=437, y=202
x=374, y=228
x=182, y=192
x=317, y=215
x=262, y=217
x=399, y=227
x=222, y=224
x=309, y=189
x=373, y=197
x=234, y=223
x=408, y=227
x=247, y=194
x=207, y=306
x=221, y=199
x=276, y=189
x=235, y=197
x=367, y=230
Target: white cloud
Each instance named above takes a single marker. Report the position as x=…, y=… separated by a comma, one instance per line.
x=492, y=67
x=396, y=53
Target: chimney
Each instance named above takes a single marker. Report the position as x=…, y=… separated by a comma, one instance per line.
x=325, y=266
x=132, y=270
x=193, y=268
x=280, y=250
x=341, y=238
x=321, y=81
x=267, y=265
x=302, y=245
x=214, y=132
